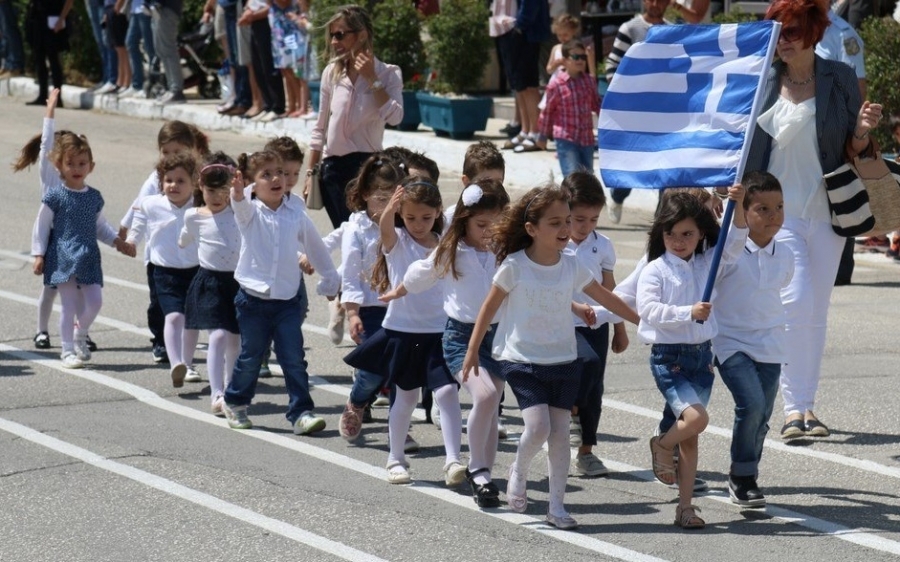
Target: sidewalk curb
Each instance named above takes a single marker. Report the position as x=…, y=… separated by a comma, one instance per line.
x=523, y=171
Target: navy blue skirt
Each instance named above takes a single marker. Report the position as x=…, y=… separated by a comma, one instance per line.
x=533, y=384
x=410, y=361
x=210, y=302
x=172, y=286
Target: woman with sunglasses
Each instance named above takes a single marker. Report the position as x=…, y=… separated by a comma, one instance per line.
x=359, y=95
x=811, y=120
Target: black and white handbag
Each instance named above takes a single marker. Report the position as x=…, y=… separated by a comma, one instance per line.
x=864, y=196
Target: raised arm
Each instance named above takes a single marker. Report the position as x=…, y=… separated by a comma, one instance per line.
x=386, y=222
x=48, y=172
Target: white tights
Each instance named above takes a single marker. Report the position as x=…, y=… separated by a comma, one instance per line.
x=481, y=425
x=400, y=416
x=223, y=351
x=180, y=343
x=551, y=425
x=81, y=302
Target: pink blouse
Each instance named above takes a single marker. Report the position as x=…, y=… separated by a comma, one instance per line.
x=356, y=123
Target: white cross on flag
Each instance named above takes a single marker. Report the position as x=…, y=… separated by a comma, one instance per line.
x=682, y=104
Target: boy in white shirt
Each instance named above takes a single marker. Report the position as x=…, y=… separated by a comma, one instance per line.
x=749, y=347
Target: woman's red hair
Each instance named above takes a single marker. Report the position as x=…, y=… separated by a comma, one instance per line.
x=811, y=16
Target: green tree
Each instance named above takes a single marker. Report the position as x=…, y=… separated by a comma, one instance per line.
x=458, y=45
x=881, y=39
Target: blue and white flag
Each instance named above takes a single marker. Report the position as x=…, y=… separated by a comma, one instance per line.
x=681, y=106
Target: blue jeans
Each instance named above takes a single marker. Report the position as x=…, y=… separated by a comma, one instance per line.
x=753, y=386
x=683, y=374
x=261, y=321
x=139, y=31
x=108, y=60
x=242, y=96
x=367, y=384
x=574, y=157
x=12, y=38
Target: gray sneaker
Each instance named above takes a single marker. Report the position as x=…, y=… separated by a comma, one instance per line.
x=589, y=465
x=82, y=350
x=308, y=423
x=237, y=417
x=574, y=432
x=192, y=375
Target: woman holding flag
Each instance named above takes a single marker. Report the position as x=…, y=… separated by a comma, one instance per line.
x=811, y=119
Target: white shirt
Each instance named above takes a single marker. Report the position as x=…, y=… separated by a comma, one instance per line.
x=597, y=254
x=415, y=314
x=794, y=158
x=217, y=235
x=270, y=241
x=669, y=287
x=535, y=321
x=748, y=304
x=842, y=43
x=359, y=252
x=464, y=296
x=160, y=221
x=149, y=188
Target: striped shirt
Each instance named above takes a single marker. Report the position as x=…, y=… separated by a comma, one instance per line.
x=630, y=32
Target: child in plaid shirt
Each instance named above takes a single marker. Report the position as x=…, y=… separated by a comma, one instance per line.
x=571, y=99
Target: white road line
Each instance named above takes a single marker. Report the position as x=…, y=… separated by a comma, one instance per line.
x=323, y=384
x=189, y=494
x=449, y=496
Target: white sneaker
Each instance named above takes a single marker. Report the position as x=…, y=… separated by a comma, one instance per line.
x=336, y=316
x=106, y=88
x=454, y=474
x=574, y=432
x=178, y=373
x=192, y=375
x=218, y=407
x=382, y=400
x=308, y=423
x=237, y=416
x=410, y=445
x=589, y=465
x=615, y=212
x=82, y=350
x=140, y=94
x=71, y=361
x=128, y=92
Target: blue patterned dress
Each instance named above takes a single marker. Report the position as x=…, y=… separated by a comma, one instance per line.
x=289, y=41
x=73, y=249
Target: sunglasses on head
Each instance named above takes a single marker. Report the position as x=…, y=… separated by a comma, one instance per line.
x=791, y=34
x=339, y=35
x=578, y=57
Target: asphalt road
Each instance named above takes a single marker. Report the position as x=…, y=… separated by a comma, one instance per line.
x=112, y=464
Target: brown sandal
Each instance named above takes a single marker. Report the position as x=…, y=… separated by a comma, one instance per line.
x=687, y=518
x=663, y=462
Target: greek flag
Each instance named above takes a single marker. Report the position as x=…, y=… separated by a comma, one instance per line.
x=681, y=106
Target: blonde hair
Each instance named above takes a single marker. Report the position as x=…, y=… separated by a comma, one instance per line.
x=357, y=19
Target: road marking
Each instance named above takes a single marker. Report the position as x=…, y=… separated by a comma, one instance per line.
x=189, y=494
x=827, y=528
x=323, y=384
x=152, y=399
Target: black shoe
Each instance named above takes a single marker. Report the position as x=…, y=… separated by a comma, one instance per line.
x=485, y=495
x=42, y=340
x=90, y=343
x=159, y=354
x=744, y=491
x=367, y=415
x=511, y=130
x=37, y=101
x=793, y=429
x=815, y=428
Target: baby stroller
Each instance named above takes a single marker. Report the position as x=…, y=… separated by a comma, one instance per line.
x=191, y=48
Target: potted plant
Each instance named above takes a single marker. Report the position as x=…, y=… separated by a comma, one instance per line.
x=398, y=41
x=458, y=50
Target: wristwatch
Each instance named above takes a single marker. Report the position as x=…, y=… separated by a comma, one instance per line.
x=377, y=85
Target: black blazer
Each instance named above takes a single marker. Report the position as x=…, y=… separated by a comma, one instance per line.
x=837, y=107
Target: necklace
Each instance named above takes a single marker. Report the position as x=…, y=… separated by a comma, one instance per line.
x=803, y=83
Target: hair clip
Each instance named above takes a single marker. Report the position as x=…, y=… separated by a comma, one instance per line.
x=217, y=166
x=379, y=162
x=402, y=166
x=525, y=214
x=427, y=184
x=472, y=195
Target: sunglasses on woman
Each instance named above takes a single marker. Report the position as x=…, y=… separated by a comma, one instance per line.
x=339, y=35
x=791, y=34
x=577, y=58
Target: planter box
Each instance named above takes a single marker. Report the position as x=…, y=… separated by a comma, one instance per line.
x=411, y=116
x=314, y=87
x=457, y=118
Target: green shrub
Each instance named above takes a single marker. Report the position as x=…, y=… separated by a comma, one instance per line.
x=881, y=39
x=459, y=46
x=398, y=40
x=736, y=15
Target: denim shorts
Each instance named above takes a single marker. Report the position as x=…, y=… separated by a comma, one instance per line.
x=683, y=373
x=456, y=343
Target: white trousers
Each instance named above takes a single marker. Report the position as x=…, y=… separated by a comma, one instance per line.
x=817, y=254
